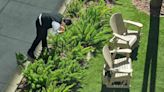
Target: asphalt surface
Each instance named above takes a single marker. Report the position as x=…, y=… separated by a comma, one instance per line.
x=17, y=31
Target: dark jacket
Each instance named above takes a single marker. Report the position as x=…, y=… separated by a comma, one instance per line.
x=47, y=19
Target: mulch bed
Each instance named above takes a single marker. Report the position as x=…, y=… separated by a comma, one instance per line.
x=22, y=86
x=144, y=5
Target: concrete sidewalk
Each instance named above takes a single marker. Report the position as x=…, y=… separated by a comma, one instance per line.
x=17, y=31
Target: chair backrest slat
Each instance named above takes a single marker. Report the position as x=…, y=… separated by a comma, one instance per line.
x=107, y=56
x=117, y=24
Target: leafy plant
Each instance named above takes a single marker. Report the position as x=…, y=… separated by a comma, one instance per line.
x=62, y=43
x=53, y=88
x=36, y=74
x=74, y=8
x=97, y=14
x=87, y=35
x=65, y=73
x=79, y=54
x=20, y=58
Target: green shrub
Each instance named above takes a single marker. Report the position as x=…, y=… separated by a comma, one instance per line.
x=63, y=72
x=20, y=58
x=74, y=8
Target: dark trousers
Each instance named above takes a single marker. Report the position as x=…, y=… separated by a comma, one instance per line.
x=41, y=31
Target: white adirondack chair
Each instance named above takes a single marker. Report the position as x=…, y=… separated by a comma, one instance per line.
x=116, y=72
x=123, y=37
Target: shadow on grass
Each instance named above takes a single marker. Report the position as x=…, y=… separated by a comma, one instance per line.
x=105, y=89
x=134, y=53
x=152, y=48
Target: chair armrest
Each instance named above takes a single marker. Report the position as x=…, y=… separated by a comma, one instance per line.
x=134, y=23
x=121, y=51
x=120, y=37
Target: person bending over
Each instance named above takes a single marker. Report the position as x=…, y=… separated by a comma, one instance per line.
x=43, y=22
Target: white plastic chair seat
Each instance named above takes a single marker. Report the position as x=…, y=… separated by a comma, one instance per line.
x=130, y=38
x=120, y=61
x=125, y=67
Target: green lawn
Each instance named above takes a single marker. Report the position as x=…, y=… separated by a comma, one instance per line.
x=144, y=71
x=93, y=79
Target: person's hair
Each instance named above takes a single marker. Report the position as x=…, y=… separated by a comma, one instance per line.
x=67, y=21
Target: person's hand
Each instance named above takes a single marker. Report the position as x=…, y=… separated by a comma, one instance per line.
x=62, y=29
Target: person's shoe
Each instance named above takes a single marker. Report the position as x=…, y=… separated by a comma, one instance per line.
x=30, y=56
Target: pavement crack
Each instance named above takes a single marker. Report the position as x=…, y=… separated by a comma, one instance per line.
x=1, y=10
x=5, y=36
x=22, y=2
x=2, y=82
